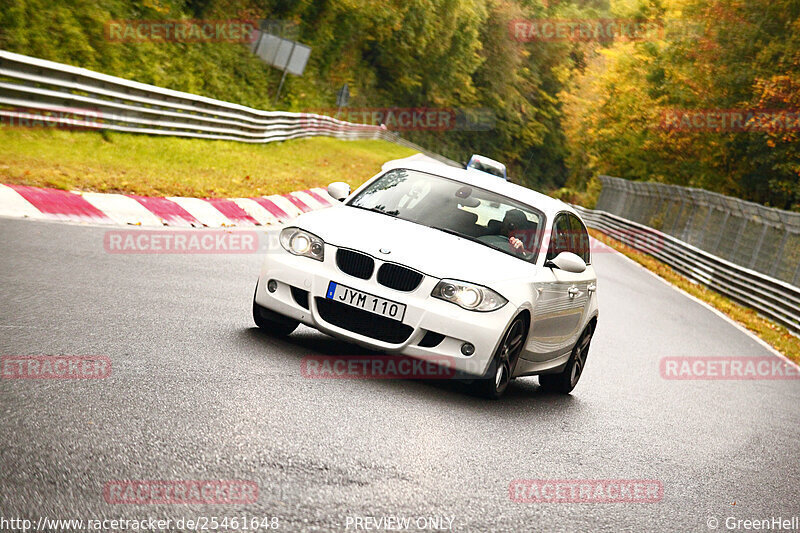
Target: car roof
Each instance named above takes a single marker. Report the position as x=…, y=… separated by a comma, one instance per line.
x=550, y=206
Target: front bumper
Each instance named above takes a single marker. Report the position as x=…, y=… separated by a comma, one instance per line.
x=296, y=276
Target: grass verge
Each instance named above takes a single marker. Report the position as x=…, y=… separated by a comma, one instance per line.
x=773, y=334
x=171, y=166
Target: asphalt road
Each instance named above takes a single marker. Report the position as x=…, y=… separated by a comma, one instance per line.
x=198, y=393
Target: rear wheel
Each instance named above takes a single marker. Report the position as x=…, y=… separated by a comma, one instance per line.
x=566, y=380
x=497, y=379
x=272, y=322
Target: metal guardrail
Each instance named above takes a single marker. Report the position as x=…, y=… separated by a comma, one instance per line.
x=773, y=298
x=750, y=235
x=83, y=98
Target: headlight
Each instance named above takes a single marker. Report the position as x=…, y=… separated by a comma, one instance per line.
x=299, y=242
x=468, y=296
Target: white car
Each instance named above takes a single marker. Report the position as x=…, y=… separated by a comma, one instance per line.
x=481, y=163
x=431, y=261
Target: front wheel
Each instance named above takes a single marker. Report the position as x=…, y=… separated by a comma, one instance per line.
x=566, y=380
x=272, y=322
x=497, y=379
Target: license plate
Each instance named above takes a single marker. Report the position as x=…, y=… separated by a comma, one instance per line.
x=366, y=301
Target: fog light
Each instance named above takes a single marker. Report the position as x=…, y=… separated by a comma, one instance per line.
x=272, y=285
x=467, y=349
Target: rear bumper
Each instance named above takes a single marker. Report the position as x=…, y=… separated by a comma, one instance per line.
x=423, y=313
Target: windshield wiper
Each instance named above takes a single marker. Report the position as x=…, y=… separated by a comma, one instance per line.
x=377, y=210
x=452, y=232
x=463, y=236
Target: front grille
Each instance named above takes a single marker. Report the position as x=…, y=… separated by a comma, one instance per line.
x=363, y=322
x=399, y=277
x=355, y=264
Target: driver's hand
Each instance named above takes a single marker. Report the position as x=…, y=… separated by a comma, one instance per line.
x=516, y=244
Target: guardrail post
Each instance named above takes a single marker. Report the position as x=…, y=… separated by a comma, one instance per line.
x=779, y=255
x=796, y=275
x=687, y=228
x=674, y=229
x=659, y=206
x=735, y=248
x=721, y=233
x=622, y=199
x=757, y=249
x=702, y=238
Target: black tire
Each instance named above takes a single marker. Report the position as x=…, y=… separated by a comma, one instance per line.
x=497, y=379
x=566, y=380
x=272, y=322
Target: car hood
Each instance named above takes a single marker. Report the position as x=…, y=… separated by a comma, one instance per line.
x=428, y=250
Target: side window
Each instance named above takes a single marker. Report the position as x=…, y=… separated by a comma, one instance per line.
x=579, y=238
x=559, y=240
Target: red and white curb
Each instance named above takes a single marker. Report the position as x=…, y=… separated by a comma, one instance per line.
x=128, y=209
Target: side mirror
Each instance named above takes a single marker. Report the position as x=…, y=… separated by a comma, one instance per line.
x=339, y=190
x=568, y=262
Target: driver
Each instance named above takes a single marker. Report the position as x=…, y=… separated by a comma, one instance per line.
x=514, y=220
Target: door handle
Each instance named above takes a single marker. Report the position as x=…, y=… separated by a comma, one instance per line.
x=573, y=292
x=592, y=287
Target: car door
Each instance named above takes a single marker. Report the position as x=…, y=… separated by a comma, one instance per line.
x=562, y=296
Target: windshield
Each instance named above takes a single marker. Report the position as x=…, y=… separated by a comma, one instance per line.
x=453, y=207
